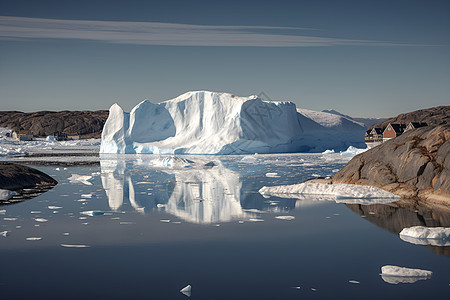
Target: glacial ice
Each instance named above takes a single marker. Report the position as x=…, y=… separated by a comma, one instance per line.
x=75, y=178
x=187, y=290
x=421, y=235
x=394, y=274
x=205, y=122
x=337, y=192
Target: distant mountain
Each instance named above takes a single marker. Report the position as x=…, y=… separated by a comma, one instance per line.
x=432, y=116
x=366, y=122
x=43, y=123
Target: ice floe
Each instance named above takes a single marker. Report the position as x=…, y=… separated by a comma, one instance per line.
x=41, y=220
x=394, y=274
x=74, y=246
x=4, y=233
x=34, y=238
x=341, y=193
x=420, y=235
x=75, y=178
x=187, y=290
x=288, y=218
x=52, y=207
x=92, y=213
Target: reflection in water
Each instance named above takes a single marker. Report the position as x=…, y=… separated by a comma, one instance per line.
x=199, y=192
x=402, y=279
x=402, y=214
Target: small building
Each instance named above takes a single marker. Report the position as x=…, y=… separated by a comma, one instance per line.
x=60, y=136
x=373, y=137
x=414, y=125
x=393, y=131
x=73, y=137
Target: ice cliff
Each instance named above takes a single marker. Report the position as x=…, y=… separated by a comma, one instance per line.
x=205, y=122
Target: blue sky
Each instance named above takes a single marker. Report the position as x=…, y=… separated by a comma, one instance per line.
x=362, y=58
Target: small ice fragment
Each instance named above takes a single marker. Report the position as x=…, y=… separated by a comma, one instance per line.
x=37, y=225
x=66, y=233
x=354, y=281
x=241, y=222
x=336, y=214
x=217, y=225
x=82, y=218
x=371, y=213
x=273, y=175
x=127, y=223
x=74, y=246
x=2, y=211
x=4, y=233
x=57, y=169
x=85, y=223
x=115, y=218
x=54, y=207
x=42, y=220
x=313, y=289
x=176, y=222
x=92, y=213
x=18, y=226
x=55, y=211
x=186, y=290
x=165, y=221
x=75, y=178
x=160, y=205
x=86, y=195
x=34, y=238
x=256, y=220
x=327, y=217
x=35, y=212
x=288, y=218
x=9, y=219
x=297, y=287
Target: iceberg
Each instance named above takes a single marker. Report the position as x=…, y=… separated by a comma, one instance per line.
x=420, y=235
x=394, y=274
x=203, y=122
x=338, y=192
x=187, y=290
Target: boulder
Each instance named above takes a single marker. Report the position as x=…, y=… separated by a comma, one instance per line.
x=15, y=176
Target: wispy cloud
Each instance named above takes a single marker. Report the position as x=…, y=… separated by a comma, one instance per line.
x=168, y=34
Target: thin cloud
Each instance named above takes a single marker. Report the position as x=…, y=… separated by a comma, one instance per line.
x=167, y=34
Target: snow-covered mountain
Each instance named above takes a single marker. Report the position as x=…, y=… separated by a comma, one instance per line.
x=204, y=122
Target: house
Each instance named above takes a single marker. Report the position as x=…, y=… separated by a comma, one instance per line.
x=373, y=137
x=392, y=131
x=73, y=137
x=60, y=136
x=414, y=125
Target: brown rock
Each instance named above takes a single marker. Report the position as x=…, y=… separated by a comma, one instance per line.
x=413, y=165
x=15, y=176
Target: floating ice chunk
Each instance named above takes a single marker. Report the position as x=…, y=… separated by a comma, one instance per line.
x=354, y=281
x=66, y=233
x=42, y=220
x=340, y=192
x=328, y=151
x=4, y=233
x=160, y=205
x=288, y=218
x=92, y=213
x=274, y=175
x=394, y=275
x=34, y=238
x=256, y=220
x=86, y=195
x=74, y=246
x=35, y=212
x=2, y=211
x=9, y=219
x=249, y=159
x=54, y=207
x=6, y=194
x=165, y=221
x=75, y=178
x=297, y=287
x=420, y=235
x=186, y=290
x=127, y=223
x=352, y=151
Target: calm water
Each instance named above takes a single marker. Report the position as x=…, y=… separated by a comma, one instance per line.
x=205, y=224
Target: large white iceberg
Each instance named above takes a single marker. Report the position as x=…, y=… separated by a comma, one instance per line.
x=205, y=122
x=420, y=235
x=394, y=274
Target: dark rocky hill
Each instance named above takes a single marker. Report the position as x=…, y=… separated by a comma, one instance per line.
x=44, y=123
x=15, y=176
x=414, y=165
x=432, y=116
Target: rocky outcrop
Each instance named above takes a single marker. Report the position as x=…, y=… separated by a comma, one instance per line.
x=432, y=116
x=14, y=177
x=414, y=165
x=44, y=123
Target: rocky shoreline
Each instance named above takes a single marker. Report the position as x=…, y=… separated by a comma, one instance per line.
x=415, y=165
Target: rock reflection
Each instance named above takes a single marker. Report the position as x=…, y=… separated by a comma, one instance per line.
x=199, y=192
x=402, y=214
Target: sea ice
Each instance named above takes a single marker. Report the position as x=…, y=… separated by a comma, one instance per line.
x=288, y=218
x=352, y=151
x=186, y=290
x=274, y=175
x=54, y=207
x=4, y=233
x=420, y=235
x=92, y=213
x=338, y=192
x=75, y=178
x=34, y=238
x=74, y=246
x=41, y=220
x=6, y=194
x=394, y=274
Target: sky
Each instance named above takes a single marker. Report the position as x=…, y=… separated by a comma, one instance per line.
x=361, y=58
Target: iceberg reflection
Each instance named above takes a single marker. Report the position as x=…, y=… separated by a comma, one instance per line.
x=196, y=191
